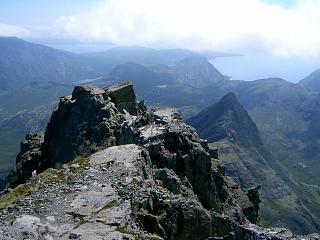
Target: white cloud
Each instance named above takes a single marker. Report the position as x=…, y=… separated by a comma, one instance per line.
x=225, y=25
x=11, y=30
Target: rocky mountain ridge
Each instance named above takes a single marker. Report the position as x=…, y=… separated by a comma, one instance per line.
x=226, y=119
x=125, y=172
x=228, y=126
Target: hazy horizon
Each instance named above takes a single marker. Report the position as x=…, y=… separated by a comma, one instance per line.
x=238, y=67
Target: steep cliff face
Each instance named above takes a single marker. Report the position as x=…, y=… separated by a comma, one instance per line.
x=228, y=126
x=144, y=175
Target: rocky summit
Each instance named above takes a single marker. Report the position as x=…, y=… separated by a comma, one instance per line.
x=109, y=168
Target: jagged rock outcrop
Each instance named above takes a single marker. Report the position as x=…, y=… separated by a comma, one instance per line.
x=143, y=176
x=86, y=122
x=83, y=124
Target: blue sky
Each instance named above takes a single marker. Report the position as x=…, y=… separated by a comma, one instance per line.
x=284, y=3
x=39, y=12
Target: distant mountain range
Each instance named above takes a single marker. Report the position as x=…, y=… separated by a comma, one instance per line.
x=33, y=74
x=140, y=55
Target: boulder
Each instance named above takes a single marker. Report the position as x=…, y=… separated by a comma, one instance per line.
x=123, y=96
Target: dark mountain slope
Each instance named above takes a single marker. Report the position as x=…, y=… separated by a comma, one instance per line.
x=194, y=70
x=227, y=125
x=226, y=119
x=33, y=74
x=308, y=149
x=13, y=129
x=22, y=63
x=312, y=81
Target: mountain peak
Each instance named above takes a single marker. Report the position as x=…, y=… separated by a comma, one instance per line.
x=226, y=119
x=197, y=71
x=230, y=98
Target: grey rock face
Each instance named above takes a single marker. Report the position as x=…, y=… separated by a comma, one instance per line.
x=28, y=159
x=124, y=97
x=147, y=177
x=83, y=124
